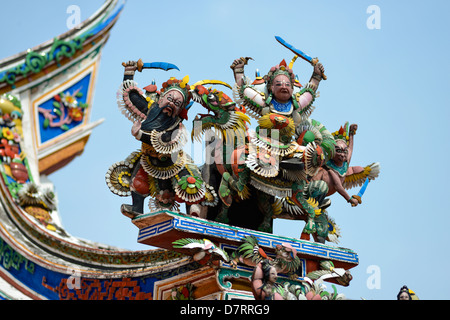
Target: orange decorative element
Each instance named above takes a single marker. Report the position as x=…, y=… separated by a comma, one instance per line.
x=87, y=289
x=76, y=114
x=151, y=88
x=39, y=213
x=191, y=180
x=8, y=150
x=279, y=121
x=300, y=138
x=263, y=253
x=60, y=158
x=201, y=90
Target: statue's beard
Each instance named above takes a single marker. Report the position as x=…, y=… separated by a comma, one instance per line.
x=158, y=120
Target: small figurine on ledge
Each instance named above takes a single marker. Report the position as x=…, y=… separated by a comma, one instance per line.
x=264, y=286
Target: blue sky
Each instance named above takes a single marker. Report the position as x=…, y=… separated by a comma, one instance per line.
x=393, y=82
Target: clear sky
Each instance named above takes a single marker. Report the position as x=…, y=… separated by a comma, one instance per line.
x=392, y=81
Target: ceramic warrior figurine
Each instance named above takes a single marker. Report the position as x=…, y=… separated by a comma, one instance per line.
x=263, y=282
x=337, y=172
x=276, y=159
x=406, y=294
x=278, y=92
x=161, y=169
x=265, y=286
x=282, y=107
x=336, y=176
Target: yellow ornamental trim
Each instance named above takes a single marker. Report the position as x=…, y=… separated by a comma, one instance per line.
x=127, y=185
x=191, y=190
x=152, y=186
x=313, y=203
x=359, y=176
x=150, y=102
x=277, y=207
x=244, y=194
x=184, y=82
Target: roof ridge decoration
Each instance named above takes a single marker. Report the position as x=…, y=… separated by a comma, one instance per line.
x=34, y=62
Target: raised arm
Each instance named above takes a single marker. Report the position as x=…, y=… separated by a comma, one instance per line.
x=134, y=94
x=309, y=92
x=316, y=76
x=238, y=70
x=351, y=135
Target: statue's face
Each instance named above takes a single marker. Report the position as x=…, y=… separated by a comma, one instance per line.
x=172, y=103
x=403, y=296
x=273, y=275
x=281, y=88
x=341, y=152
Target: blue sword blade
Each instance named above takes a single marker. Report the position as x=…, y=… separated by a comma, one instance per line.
x=295, y=50
x=363, y=188
x=160, y=65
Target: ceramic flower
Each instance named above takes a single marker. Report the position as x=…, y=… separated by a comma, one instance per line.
x=69, y=101
x=76, y=114
x=7, y=134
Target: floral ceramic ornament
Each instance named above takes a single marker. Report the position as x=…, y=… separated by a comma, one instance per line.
x=190, y=189
x=67, y=108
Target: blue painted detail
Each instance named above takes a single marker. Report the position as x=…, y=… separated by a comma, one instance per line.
x=160, y=65
x=295, y=50
x=53, y=285
x=157, y=229
x=102, y=24
x=282, y=107
x=206, y=228
x=50, y=133
x=363, y=188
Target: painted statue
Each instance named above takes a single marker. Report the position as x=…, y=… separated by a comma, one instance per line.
x=266, y=271
x=250, y=253
x=284, y=168
x=263, y=282
x=406, y=294
x=161, y=169
x=337, y=172
x=265, y=286
x=254, y=167
x=336, y=175
x=36, y=200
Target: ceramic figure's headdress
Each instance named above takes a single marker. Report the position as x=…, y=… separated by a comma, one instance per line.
x=342, y=134
x=281, y=68
x=181, y=86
